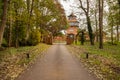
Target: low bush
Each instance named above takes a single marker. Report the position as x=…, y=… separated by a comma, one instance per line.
x=34, y=38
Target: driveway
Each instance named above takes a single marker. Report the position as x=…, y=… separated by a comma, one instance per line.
x=57, y=64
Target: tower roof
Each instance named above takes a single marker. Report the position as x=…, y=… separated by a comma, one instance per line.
x=72, y=15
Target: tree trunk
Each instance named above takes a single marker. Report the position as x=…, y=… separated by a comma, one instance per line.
x=82, y=38
x=96, y=23
x=112, y=34
x=10, y=27
x=90, y=31
x=101, y=24
x=30, y=9
x=10, y=34
x=86, y=11
x=16, y=27
x=16, y=35
x=89, y=24
x=119, y=23
x=119, y=3
x=117, y=30
x=3, y=20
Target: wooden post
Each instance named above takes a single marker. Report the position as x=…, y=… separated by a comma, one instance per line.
x=28, y=55
x=87, y=55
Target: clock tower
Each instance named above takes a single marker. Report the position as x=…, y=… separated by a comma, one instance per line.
x=72, y=30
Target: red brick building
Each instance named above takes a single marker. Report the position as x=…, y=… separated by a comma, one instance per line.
x=72, y=30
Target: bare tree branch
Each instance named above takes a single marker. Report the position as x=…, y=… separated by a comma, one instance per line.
x=87, y=6
x=81, y=5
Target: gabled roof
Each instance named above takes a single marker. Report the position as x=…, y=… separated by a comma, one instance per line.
x=71, y=15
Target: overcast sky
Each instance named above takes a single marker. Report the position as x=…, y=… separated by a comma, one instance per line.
x=67, y=6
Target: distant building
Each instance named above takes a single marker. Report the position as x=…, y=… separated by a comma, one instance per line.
x=72, y=30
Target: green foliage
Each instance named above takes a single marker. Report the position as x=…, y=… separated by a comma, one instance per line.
x=114, y=13
x=4, y=43
x=59, y=34
x=34, y=38
x=23, y=17
x=19, y=32
x=1, y=4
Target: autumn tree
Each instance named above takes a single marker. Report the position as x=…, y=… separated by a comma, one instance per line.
x=26, y=16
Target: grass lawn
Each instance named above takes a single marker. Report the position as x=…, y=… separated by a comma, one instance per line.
x=14, y=60
x=105, y=63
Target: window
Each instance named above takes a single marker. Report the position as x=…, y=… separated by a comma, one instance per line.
x=71, y=30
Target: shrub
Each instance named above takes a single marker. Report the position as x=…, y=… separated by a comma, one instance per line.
x=34, y=38
x=4, y=43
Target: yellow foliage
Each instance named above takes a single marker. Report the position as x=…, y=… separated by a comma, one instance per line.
x=35, y=37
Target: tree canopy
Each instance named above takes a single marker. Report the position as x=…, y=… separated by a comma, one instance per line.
x=25, y=16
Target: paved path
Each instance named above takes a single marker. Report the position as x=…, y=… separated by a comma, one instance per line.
x=57, y=64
